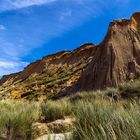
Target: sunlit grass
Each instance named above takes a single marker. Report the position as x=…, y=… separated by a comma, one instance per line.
x=16, y=119
x=53, y=110
x=107, y=120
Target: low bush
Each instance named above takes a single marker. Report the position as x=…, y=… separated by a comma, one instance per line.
x=130, y=89
x=53, y=110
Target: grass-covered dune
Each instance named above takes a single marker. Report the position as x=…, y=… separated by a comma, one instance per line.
x=112, y=114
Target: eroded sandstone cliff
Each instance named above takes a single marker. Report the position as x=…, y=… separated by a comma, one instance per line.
x=117, y=58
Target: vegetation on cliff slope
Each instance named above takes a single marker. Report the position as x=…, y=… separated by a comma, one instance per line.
x=48, y=77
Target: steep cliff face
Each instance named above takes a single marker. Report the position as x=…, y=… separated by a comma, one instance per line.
x=49, y=76
x=117, y=58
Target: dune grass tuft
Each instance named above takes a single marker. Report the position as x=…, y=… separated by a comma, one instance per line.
x=53, y=110
x=16, y=118
x=107, y=120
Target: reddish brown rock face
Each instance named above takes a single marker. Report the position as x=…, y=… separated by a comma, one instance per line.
x=135, y=21
x=117, y=58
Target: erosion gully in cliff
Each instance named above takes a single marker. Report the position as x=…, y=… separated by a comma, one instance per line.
x=115, y=60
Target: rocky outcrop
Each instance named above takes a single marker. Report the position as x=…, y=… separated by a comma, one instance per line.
x=117, y=58
x=6, y=78
x=135, y=22
x=55, y=127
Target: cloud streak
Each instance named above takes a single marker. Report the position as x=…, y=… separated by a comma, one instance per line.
x=2, y=27
x=18, y=4
x=7, y=66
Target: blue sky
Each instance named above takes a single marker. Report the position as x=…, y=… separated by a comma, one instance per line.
x=31, y=29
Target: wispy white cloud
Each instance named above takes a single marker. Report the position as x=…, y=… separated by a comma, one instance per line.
x=2, y=27
x=10, y=64
x=7, y=67
x=10, y=58
x=65, y=14
x=17, y=4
